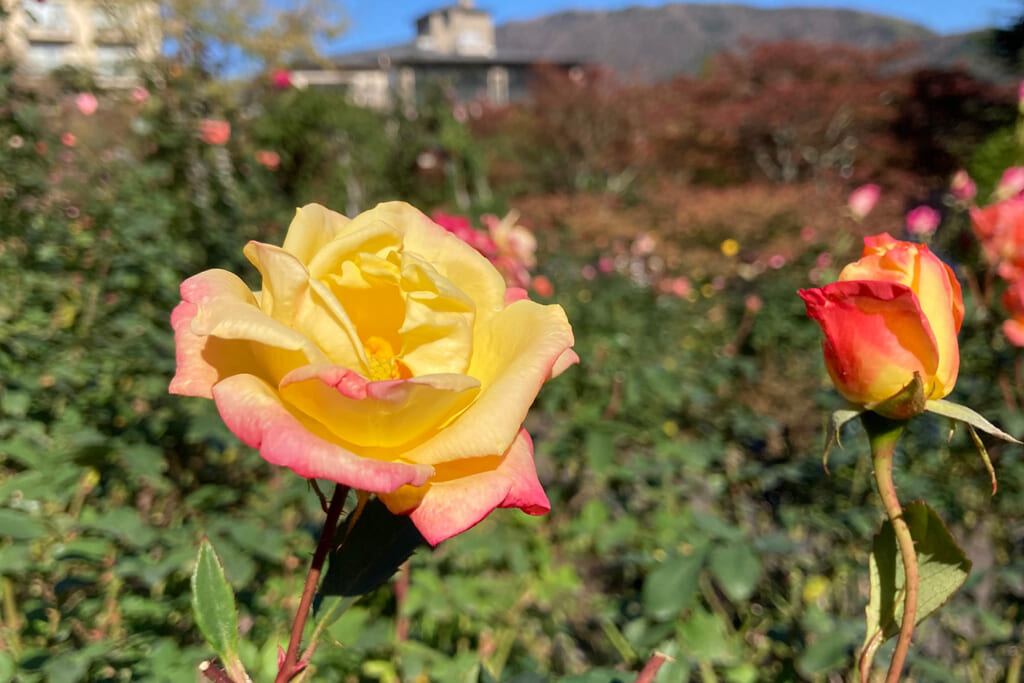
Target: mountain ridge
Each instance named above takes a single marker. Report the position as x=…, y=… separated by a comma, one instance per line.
x=656, y=43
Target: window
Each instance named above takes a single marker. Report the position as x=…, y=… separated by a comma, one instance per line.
x=114, y=60
x=497, y=85
x=49, y=16
x=44, y=57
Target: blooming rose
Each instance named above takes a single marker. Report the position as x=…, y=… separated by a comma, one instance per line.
x=383, y=353
x=86, y=103
x=214, y=131
x=893, y=314
x=962, y=187
x=1011, y=183
x=1000, y=229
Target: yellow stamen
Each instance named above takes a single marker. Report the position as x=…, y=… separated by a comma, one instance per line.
x=381, y=359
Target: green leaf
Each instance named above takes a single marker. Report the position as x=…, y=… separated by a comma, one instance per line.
x=828, y=653
x=19, y=526
x=374, y=548
x=672, y=585
x=737, y=569
x=955, y=411
x=835, y=425
x=213, y=603
x=942, y=568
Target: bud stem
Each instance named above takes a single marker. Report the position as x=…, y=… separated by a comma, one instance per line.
x=883, y=435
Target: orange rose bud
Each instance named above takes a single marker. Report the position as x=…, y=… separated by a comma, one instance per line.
x=893, y=316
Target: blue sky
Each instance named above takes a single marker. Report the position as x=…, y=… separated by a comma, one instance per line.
x=377, y=23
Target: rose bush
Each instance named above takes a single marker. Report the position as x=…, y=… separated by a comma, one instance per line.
x=892, y=315
x=382, y=353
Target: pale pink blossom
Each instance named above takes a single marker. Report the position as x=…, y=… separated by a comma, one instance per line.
x=923, y=220
x=962, y=187
x=139, y=94
x=606, y=264
x=862, y=200
x=86, y=103
x=643, y=244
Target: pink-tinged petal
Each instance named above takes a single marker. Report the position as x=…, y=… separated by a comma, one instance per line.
x=312, y=227
x=876, y=338
x=462, y=493
x=202, y=361
x=378, y=415
x=1014, y=331
x=564, y=362
x=214, y=285
x=252, y=410
x=193, y=376
x=513, y=294
x=512, y=358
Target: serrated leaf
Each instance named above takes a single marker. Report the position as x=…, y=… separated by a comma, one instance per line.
x=213, y=603
x=374, y=548
x=942, y=568
x=955, y=411
x=835, y=425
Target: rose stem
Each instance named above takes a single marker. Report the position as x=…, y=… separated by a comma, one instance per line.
x=212, y=673
x=650, y=669
x=288, y=667
x=884, y=434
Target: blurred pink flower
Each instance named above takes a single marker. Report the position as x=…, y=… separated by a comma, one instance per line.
x=281, y=79
x=139, y=94
x=777, y=261
x=589, y=272
x=862, y=200
x=962, y=187
x=1013, y=302
x=681, y=287
x=923, y=220
x=86, y=103
x=753, y=303
x=1011, y=184
x=267, y=158
x=542, y=285
x=461, y=228
x=215, y=131
x=68, y=139
x=606, y=264
x=808, y=233
x=643, y=244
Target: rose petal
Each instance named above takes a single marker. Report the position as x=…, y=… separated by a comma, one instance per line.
x=512, y=358
x=252, y=410
x=876, y=338
x=462, y=493
x=307, y=306
x=380, y=415
x=312, y=227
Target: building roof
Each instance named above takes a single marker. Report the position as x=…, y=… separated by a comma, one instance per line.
x=412, y=54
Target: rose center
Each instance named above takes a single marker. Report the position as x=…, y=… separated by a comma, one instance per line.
x=382, y=361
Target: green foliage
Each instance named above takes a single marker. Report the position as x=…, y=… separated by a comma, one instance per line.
x=213, y=603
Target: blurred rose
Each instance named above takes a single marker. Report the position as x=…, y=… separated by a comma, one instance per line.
x=999, y=228
x=214, y=131
x=606, y=264
x=923, y=220
x=892, y=315
x=139, y=94
x=267, y=158
x=643, y=244
x=1013, y=302
x=68, y=139
x=86, y=103
x=962, y=187
x=589, y=272
x=515, y=248
x=542, y=285
x=1011, y=183
x=464, y=230
x=862, y=200
x=382, y=353
x=753, y=303
x=281, y=79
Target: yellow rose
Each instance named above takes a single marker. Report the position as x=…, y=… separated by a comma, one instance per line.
x=382, y=353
